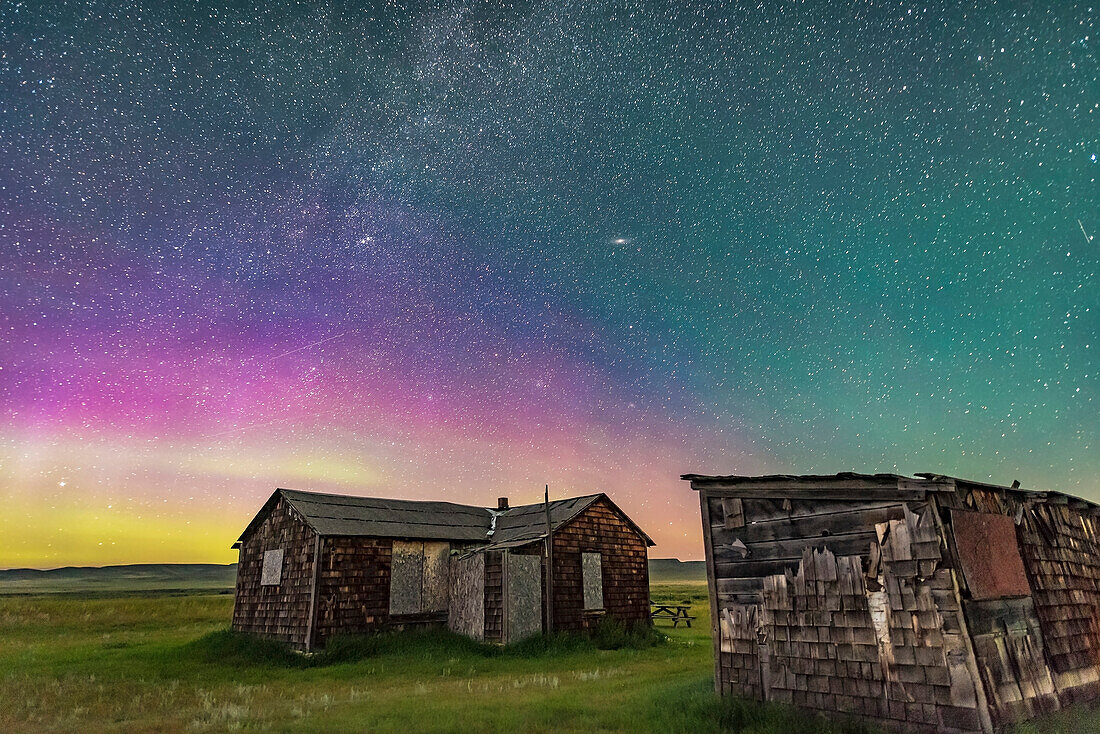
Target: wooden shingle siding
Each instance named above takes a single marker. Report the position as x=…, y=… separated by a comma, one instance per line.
x=1061, y=552
x=494, y=596
x=353, y=589
x=882, y=596
x=624, y=558
x=278, y=611
x=345, y=582
x=812, y=612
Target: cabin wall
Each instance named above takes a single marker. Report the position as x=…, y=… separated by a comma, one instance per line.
x=843, y=605
x=1061, y=555
x=353, y=586
x=625, y=565
x=280, y=611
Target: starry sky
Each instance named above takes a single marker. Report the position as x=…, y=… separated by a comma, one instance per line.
x=460, y=250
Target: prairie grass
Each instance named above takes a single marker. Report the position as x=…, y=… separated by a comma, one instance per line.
x=169, y=664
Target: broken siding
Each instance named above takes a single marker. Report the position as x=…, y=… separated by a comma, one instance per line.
x=1061, y=554
x=840, y=605
x=279, y=611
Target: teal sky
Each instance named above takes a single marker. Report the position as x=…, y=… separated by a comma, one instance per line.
x=460, y=250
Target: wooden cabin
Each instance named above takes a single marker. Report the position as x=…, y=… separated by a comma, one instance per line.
x=315, y=565
x=929, y=603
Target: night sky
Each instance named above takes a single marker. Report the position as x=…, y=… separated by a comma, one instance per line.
x=460, y=251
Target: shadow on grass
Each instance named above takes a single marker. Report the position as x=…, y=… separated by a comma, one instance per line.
x=226, y=647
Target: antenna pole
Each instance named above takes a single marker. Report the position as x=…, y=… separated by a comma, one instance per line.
x=549, y=565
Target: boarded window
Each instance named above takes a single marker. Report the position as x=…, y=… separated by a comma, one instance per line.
x=522, y=596
x=466, y=611
x=419, y=577
x=273, y=568
x=989, y=555
x=592, y=576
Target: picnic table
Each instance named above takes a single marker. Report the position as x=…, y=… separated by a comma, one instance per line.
x=676, y=613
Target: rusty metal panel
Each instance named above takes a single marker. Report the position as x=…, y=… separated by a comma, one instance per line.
x=436, y=588
x=523, y=589
x=272, y=572
x=406, y=577
x=989, y=555
x=592, y=580
x=466, y=614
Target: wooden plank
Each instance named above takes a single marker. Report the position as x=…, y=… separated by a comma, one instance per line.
x=725, y=600
x=733, y=514
x=468, y=599
x=833, y=522
x=837, y=494
x=406, y=577
x=311, y=625
x=708, y=553
x=779, y=508
x=972, y=664
x=755, y=569
x=740, y=586
x=718, y=487
x=846, y=544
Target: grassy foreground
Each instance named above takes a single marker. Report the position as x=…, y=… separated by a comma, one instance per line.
x=166, y=664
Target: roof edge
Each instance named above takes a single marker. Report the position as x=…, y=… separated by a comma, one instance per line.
x=936, y=482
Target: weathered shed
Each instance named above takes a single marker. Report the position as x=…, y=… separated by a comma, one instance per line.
x=314, y=565
x=930, y=603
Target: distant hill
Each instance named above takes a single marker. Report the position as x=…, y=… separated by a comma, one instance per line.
x=184, y=577
x=664, y=570
x=141, y=577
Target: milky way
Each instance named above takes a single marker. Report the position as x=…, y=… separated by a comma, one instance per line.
x=461, y=251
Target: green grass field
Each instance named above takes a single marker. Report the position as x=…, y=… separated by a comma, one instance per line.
x=166, y=664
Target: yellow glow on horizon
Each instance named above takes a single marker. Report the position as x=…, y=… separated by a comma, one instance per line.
x=98, y=536
x=72, y=502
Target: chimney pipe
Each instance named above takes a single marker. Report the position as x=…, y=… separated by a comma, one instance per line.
x=1015, y=483
x=502, y=503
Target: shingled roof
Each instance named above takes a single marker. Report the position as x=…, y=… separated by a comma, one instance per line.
x=347, y=515
x=923, y=482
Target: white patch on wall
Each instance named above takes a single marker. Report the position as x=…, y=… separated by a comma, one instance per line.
x=592, y=578
x=273, y=568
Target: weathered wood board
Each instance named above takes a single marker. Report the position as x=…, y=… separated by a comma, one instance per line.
x=406, y=577
x=523, y=592
x=435, y=588
x=466, y=614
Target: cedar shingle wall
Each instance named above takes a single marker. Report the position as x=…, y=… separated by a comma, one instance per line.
x=353, y=593
x=1063, y=558
x=814, y=612
x=625, y=569
x=1061, y=551
x=494, y=597
x=278, y=612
